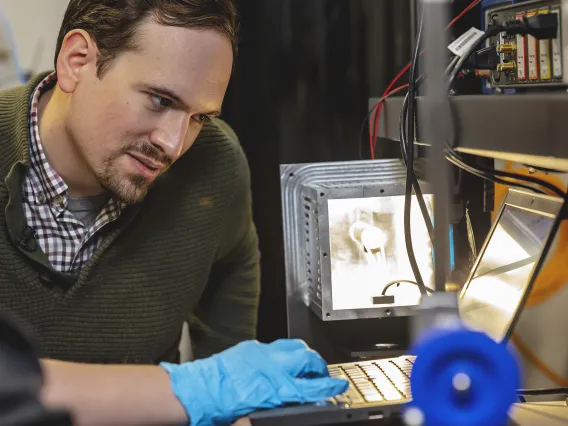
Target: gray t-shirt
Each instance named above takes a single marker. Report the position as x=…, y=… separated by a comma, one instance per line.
x=86, y=209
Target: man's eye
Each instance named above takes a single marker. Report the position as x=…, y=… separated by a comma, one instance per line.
x=201, y=118
x=159, y=102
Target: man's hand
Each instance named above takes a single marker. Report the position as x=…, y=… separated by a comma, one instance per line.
x=249, y=377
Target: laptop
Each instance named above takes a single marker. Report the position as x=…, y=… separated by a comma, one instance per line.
x=490, y=301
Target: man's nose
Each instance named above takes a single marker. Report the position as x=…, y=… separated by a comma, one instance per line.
x=169, y=136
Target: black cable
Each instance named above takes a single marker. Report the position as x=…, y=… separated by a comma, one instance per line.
x=537, y=392
x=404, y=143
x=415, y=183
x=488, y=176
x=389, y=285
x=409, y=146
x=530, y=179
x=486, y=58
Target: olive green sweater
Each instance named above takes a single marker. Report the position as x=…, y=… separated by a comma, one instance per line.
x=189, y=251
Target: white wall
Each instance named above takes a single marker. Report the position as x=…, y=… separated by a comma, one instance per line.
x=35, y=25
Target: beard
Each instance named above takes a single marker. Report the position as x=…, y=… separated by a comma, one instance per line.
x=129, y=188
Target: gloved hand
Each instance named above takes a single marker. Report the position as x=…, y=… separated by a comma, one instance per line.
x=251, y=376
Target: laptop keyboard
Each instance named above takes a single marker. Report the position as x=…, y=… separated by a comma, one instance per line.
x=375, y=381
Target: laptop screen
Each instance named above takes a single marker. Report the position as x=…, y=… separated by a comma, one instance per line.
x=490, y=301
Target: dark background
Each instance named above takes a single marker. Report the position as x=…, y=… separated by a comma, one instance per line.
x=299, y=93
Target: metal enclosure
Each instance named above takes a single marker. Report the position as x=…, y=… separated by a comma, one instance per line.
x=306, y=190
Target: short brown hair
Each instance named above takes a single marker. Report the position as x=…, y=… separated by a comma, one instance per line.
x=113, y=23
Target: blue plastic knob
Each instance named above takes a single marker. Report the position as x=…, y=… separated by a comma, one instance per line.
x=463, y=377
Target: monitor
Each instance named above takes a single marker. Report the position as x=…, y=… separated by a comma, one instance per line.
x=504, y=271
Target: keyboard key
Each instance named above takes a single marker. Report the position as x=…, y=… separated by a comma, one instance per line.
x=369, y=367
x=351, y=368
x=357, y=376
x=374, y=398
x=404, y=365
x=355, y=397
x=341, y=376
x=378, y=374
x=389, y=391
x=365, y=364
x=396, y=377
x=367, y=388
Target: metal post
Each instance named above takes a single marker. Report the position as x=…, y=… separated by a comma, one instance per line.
x=434, y=118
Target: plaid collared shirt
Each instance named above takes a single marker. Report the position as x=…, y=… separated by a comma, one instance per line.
x=67, y=243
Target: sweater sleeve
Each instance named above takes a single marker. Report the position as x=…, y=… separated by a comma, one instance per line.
x=21, y=379
x=227, y=311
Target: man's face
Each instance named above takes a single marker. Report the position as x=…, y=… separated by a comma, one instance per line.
x=148, y=108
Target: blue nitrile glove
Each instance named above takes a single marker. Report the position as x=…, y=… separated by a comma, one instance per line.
x=251, y=376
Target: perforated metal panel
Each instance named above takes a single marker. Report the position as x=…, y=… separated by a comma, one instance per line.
x=306, y=190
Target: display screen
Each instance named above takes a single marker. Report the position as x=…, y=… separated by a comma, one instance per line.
x=368, y=251
x=490, y=301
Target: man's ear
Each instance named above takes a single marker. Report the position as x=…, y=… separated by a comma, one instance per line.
x=78, y=51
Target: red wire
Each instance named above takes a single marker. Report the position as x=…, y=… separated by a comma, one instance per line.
x=392, y=92
x=375, y=132
x=463, y=12
x=380, y=106
x=378, y=111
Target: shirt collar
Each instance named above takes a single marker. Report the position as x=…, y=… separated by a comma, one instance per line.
x=52, y=185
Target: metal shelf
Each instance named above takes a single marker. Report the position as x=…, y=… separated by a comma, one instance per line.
x=525, y=128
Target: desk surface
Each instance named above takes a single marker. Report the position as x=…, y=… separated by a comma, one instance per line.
x=527, y=414
x=540, y=413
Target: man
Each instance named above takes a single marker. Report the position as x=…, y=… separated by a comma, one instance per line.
x=113, y=232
